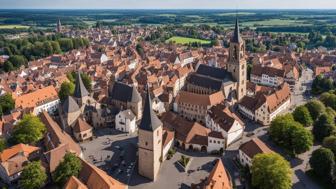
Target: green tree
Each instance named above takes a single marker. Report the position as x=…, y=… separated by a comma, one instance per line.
x=323, y=127
x=48, y=49
x=29, y=130
x=328, y=100
x=8, y=66
x=331, y=112
x=77, y=43
x=7, y=103
x=291, y=135
x=300, y=140
x=278, y=127
x=301, y=114
x=316, y=108
x=67, y=89
x=56, y=47
x=71, y=76
x=66, y=44
x=322, y=162
x=18, y=61
x=70, y=166
x=330, y=143
x=3, y=144
x=271, y=171
x=33, y=176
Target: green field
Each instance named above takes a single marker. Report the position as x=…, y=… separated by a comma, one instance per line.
x=238, y=13
x=13, y=27
x=186, y=40
x=275, y=22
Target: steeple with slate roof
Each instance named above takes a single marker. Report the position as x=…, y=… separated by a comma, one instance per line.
x=59, y=26
x=149, y=121
x=236, y=38
x=80, y=90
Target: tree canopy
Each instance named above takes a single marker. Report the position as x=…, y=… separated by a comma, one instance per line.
x=328, y=100
x=322, y=162
x=291, y=135
x=35, y=47
x=316, y=108
x=301, y=114
x=3, y=144
x=29, y=130
x=67, y=89
x=70, y=166
x=330, y=143
x=324, y=126
x=7, y=103
x=322, y=84
x=33, y=176
x=271, y=171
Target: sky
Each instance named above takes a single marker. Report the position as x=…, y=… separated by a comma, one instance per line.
x=167, y=4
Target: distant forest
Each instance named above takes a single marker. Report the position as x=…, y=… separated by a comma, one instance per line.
x=303, y=21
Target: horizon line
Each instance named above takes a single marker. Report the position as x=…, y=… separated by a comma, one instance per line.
x=226, y=9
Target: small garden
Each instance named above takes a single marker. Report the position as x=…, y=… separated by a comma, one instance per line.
x=184, y=162
x=171, y=153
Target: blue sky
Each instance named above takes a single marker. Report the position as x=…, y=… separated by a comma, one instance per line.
x=168, y=4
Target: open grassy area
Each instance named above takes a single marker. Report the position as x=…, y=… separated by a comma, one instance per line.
x=275, y=22
x=13, y=27
x=186, y=40
x=238, y=13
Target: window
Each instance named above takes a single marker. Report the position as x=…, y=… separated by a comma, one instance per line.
x=146, y=143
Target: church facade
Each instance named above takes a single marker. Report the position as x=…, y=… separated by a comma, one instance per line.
x=231, y=81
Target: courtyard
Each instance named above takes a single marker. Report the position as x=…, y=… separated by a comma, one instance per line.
x=116, y=153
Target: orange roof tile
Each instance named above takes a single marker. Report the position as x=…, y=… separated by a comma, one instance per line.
x=31, y=100
x=74, y=183
x=218, y=178
x=14, y=150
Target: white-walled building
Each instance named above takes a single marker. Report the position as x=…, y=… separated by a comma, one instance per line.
x=251, y=148
x=263, y=107
x=220, y=119
x=268, y=76
x=45, y=99
x=125, y=121
x=158, y=106
x=216, y=142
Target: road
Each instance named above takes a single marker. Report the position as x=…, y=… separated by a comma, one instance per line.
x=299, y=96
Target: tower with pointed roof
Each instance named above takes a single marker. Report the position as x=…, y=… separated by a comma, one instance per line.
x=81, y=94
x=150, y=141
x=59, y=26
x=237, y=61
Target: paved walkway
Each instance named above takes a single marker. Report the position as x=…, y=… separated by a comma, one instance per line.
x=171, y=176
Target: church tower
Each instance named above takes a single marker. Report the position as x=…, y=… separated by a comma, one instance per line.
x=81, y=94
x=150, y=142
x=59, y=26
x=237, y=62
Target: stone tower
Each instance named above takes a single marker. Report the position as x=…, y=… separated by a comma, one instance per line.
x=81, y=94
x=150, y=142
x=237, y=61
x=59, y=26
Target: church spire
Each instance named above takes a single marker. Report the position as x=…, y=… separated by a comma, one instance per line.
x=59, y=26
x=149, y=121
x=80, y=90
x=236, y=38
